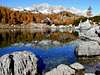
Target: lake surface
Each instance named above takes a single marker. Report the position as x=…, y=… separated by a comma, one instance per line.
x=51, y=55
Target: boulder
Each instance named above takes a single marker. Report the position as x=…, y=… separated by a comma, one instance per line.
x=78, y=68
x=18, y=63
x=88, y=48
x=91, y=34
x=61, y=70
x=85, y=25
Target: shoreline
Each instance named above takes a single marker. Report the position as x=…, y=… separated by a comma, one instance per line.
x=22, y=26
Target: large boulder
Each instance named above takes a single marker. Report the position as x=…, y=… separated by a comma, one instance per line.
x=88, y=48
x=18, y=63
x=92, y=34
x=89, y=43
x=83, y=26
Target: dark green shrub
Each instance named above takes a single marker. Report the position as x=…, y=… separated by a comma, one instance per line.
x=76, y=33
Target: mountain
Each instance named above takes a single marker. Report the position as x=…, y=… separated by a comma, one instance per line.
x=38, y=14
x=48, y=9
x=77, y=11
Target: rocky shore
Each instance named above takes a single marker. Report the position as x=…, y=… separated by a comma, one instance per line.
x=88, y=49
x=25, y=63
x=23, y=26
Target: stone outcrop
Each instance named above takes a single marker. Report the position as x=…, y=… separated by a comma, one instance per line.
x=18, y=63
x=89, y=43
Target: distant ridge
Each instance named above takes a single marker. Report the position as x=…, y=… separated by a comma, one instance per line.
x=48, y=9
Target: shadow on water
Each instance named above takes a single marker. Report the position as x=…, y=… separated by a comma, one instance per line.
x=40, y=66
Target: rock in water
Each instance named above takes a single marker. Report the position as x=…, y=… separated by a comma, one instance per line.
x=18, y=63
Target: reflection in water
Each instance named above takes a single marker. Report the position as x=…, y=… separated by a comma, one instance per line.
x=9, y=36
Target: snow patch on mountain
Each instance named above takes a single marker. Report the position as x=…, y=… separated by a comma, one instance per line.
x=48, y=9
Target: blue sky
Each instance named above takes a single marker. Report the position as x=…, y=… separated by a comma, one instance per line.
x=80, y=4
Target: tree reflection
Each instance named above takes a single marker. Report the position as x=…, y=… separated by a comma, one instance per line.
x=8, y=37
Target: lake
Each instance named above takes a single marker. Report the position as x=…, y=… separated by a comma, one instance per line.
x=12, y=40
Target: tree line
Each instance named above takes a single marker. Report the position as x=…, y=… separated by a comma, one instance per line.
x=8, y=16
x=95, y=19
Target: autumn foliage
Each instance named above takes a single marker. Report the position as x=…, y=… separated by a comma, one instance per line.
x=8, y=16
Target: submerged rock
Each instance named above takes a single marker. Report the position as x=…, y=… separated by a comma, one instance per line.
x=18, y=63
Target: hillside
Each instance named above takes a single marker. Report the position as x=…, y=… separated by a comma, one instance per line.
x=9, y=16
